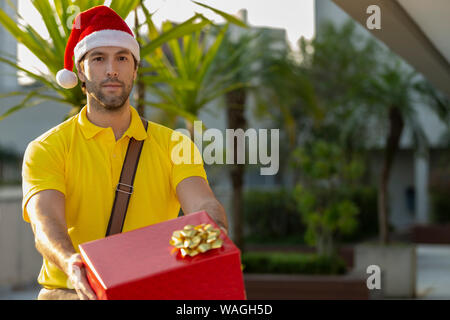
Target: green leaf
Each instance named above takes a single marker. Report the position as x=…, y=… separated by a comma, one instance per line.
x=24, y=37
x=61, y=7
x=48, y=16
x=179, y=57
x=176, y=32
x=31, y=74
x=224, y=15
x=164, y=96
x=176, y=82
x=123, y=8
x=151, y=69
x=12, y=94
x=48, y=56
x=26, y=103
x=172, y=109
x=220, y=92
x=211, y=54
x=152, y=30
x=162, y=63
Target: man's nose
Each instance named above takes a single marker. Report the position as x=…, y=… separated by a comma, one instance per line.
x=111, y=71
x=112, y=74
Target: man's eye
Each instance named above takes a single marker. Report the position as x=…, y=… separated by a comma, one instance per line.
x=123, y=58
x=98, y=59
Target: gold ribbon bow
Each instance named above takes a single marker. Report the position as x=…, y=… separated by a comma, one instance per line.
x=193, y=240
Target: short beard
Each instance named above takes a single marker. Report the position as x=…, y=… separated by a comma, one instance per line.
x=108, y=103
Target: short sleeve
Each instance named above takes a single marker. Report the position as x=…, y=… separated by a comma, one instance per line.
x=42, y=169
x=186, y=159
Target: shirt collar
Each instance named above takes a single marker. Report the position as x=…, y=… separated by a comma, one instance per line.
x=135, y=130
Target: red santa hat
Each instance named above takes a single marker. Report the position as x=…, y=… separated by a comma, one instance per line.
x=97, y=27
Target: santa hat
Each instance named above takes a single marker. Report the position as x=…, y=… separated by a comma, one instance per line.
x=97, y=27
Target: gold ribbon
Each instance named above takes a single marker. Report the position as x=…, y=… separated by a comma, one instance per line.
x=193, y=240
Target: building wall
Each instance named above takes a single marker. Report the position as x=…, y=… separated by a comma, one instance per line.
x=17, y=130
x=8, y=80
x=20, y=261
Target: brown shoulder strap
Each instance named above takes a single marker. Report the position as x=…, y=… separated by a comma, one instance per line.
x=125, y=187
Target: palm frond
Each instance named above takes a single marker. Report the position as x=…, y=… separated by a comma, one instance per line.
x=229, y=18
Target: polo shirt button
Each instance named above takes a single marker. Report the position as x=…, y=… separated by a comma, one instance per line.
x=114, y=155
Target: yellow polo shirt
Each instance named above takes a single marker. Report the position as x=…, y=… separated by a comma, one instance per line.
x=84, y=162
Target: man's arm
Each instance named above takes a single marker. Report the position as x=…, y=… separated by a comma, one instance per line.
x=195, y=195
x=46, y=210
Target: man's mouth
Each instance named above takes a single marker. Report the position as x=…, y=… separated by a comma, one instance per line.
x=112, y=85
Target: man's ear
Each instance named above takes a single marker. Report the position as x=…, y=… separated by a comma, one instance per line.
x=135, y=73
x=80, y=72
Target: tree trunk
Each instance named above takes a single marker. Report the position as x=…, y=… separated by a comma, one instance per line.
x=396, y=125
x=325, y=244
x=235, y=101
x=190, y=128
x=139, y=94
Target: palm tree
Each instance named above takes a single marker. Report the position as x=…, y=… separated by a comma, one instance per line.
x=395, y=88
x=238, y=58
x=140, y=85
x=286, y=94
x=180, y=74
x=340, y=63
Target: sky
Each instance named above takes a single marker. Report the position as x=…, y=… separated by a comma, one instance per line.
x=295, y=16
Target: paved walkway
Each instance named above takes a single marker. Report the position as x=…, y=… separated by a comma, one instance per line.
x=433, y=276
x=28, y=293
x=433, y=272
x=10, y=192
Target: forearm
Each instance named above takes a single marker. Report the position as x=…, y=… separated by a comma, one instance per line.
x=216, y=211
x=53, y=242
x=46, y=211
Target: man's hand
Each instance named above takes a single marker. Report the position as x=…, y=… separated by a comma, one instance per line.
x=224, y=230
x=195, y=194
x=77, y=277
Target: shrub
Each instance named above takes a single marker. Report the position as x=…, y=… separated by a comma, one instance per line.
x=440, y=206
x=365, y=198
x=10, y=162
x=292, y=263
x=285, y=227
x=440, y=192
x=271, y=217
x=322, y=194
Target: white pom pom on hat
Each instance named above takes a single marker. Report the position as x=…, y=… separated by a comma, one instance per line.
x=99, y=26
x=66, y=79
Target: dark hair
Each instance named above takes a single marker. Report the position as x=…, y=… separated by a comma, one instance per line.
x=83, y=84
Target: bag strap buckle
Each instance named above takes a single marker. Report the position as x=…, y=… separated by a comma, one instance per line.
x=130, y=191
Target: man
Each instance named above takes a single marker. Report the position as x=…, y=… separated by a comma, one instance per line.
x=71, y=172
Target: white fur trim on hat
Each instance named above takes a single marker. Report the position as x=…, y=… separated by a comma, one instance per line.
x=66, y=79
x=107, y=38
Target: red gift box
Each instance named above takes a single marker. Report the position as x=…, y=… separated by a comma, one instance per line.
x=141, y=264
